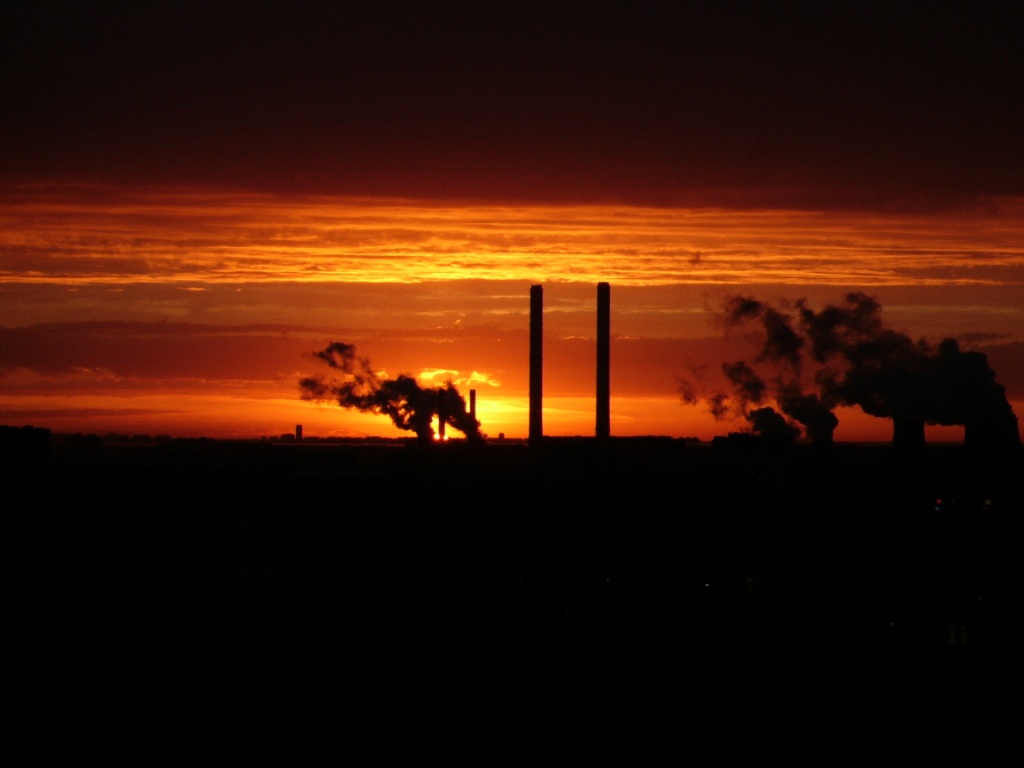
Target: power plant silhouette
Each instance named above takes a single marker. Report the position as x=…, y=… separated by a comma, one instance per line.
x=853, y=359
x=845, y=570
x=810, y=363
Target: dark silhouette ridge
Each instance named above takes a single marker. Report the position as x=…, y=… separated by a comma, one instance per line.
x=409, y=406
x=857, y=361
x=627, y=566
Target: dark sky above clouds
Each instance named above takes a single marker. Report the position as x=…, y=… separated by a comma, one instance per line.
x=814, y=104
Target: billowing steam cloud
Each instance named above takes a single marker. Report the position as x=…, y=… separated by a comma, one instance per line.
x=861, y=363
x=409, y=406
x=771, y=424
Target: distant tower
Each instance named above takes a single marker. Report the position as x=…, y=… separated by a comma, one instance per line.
x=472, y=404
x=442, y=412
x=536, y=363
x=298, y=433
x=604, y=321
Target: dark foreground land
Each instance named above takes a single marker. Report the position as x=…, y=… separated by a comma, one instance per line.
x=216, y=579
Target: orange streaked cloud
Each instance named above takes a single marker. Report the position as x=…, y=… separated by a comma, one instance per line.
x=77, y=236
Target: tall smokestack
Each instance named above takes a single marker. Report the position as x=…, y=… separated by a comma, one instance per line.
x=604, y=321
x=536, y=363
x=472, y=404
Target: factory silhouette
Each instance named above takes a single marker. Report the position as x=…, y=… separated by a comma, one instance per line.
x=862, y=363
x=409, y=406
x=615, y=570
x=859, y=362
x=414, y=408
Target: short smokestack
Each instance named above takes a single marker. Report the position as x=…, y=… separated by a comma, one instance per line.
x=908, y=434
x=604, y=321
x=442, y=412
x=996, y=433
x=298, y=432
x=536, y=363
x=472, y=404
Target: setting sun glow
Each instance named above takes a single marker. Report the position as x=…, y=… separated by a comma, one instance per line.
x=168, y=311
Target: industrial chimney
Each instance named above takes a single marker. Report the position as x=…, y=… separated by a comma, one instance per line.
x=536, y=363
x=603, y=360
x=908, y=433
x=472, y=404
x=995, y=433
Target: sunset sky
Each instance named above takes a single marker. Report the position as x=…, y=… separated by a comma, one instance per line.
x=194, y=200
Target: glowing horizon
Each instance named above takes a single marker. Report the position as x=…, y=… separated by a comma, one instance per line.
x=192, y=313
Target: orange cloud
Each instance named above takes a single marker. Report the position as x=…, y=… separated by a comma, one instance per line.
x=64, y=236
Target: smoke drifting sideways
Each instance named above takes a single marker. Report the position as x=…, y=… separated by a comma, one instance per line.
x=409, y=406
x=844, y=355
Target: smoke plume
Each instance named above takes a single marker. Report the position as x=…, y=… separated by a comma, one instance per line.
x=859, y=362
x=888, y=374
x=409, y=406
x=772, y=425
x=750, y=388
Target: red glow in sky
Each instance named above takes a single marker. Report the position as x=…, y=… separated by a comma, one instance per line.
x=195, y=200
